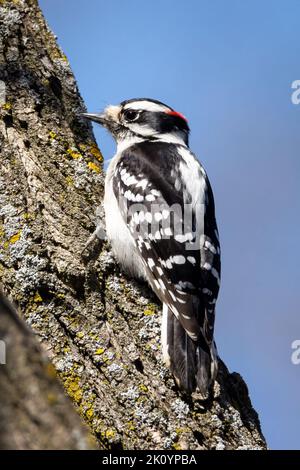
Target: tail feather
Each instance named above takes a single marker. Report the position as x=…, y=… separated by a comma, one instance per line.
x=193, y=364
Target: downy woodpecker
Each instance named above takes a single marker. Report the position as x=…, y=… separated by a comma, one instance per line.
x=160, y=220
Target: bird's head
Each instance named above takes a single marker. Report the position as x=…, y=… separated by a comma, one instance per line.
x=143, y=118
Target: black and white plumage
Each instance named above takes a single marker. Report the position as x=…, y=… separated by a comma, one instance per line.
x=160, y=219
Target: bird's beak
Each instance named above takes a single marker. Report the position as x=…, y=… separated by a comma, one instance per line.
x=99, y=118
x=109, y=118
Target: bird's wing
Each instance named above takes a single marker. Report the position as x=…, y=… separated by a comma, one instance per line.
x=162, y=208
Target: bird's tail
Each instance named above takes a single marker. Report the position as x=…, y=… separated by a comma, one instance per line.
x=193, y=363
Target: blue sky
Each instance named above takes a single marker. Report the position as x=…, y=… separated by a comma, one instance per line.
x=228, y=66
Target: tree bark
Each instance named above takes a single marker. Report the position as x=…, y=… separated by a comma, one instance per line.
x=35, y=413
x=100, y=329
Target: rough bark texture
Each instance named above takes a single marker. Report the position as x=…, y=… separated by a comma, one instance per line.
x=101, y=330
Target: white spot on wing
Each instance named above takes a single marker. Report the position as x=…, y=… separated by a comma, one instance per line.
x=168, y=232
x=182, y=238
x=151, y=263
x=142, y=184
x=207, y=266
x=139, y=198
x=179, y=259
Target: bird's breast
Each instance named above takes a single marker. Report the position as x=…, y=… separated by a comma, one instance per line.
x=122, y=242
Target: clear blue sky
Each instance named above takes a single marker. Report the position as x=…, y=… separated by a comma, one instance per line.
x=228, y=66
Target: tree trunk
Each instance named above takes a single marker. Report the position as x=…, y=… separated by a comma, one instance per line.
x=100, y=329
x=34, y=413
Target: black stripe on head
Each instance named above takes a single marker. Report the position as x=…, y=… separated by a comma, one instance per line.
x=163, y=123
x=171, y=121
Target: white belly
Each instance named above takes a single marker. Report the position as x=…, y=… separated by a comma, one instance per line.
x=122, y=242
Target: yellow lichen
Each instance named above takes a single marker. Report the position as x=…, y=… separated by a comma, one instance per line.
x=6, y=106
x=56, y=54
x=89, y=413
x=148, y=312
x=181, y=430
x=52, y=135
x=151, y=309
x=69, y=180
x=12, y=240
x=110, y=434
x=72, y=386
x=86, y=406
x=143, y=388
x=80, y=334
x=64, y=58
x=15, y=238
x=96, y=152
x=99, y=351
x=130, y=426
x=94, y=167
x=74, y=153
x=77, y=396
x=93, y=336
x=176, y=446
x=37, y=297
x=27, y=216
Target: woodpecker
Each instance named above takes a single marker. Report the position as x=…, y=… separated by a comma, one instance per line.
x=160, y=221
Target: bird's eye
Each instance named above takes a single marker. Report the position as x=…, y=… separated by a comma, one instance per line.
x=130, y=115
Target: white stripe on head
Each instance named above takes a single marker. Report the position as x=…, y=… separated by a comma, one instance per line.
x=175, y=138
x=141, y=129
x=147, y=106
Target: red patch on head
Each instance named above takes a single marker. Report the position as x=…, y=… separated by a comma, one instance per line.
x=175, y=113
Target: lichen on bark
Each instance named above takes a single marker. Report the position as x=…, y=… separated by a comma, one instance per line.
x=99, y=328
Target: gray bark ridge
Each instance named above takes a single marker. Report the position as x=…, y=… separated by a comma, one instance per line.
x=100, y=329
